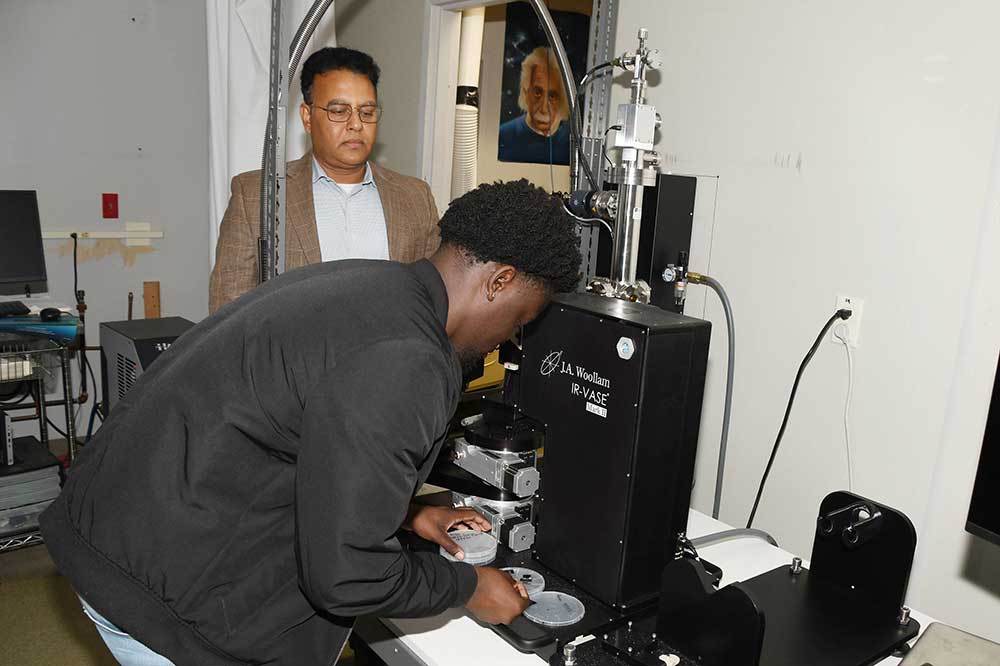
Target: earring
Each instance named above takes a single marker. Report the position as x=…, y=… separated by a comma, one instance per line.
x=490, y=297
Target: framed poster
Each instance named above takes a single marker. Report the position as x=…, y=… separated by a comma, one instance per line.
x=534, y=108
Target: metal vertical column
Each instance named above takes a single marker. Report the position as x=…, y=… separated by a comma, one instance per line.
x=43, y=422
x=596, y=105
x=68, y=402
x=272, y=205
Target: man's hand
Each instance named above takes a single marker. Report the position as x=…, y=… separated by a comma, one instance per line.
x=497, y=599
x=433, y=522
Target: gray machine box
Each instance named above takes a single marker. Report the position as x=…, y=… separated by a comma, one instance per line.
x=619, y=388
x=6, y=440
x=129, y=347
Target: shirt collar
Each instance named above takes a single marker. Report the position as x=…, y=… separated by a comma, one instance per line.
x=319, y=174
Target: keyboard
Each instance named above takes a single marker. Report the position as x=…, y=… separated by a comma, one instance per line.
x=13, y=309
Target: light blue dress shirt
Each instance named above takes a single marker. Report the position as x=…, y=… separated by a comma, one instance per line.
x=349, y=218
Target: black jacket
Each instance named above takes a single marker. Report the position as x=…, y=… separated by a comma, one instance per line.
x=239, y=506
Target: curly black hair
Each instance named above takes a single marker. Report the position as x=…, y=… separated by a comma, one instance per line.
x=332, y=58
x=519, y=224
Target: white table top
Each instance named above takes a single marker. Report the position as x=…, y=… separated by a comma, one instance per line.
x=451, y=638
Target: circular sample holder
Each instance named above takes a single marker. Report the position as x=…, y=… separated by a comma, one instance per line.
x=555, y=609
x=534, y=582
x=480, y=548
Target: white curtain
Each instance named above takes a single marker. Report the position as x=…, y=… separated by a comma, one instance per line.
x=239, y=46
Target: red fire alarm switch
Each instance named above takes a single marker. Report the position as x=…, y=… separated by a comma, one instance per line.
x=109, y=206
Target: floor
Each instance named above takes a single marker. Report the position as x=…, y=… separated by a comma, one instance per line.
x=40, y=618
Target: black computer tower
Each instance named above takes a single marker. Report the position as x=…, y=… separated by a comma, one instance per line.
x=618, y=386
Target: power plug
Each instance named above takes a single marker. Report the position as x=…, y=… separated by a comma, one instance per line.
x=856, y=306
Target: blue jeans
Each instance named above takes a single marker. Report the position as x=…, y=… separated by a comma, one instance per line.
x=124, y=648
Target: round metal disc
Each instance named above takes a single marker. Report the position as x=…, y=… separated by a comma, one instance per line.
x=480, y=548
x=533, y=581
x=555, y=609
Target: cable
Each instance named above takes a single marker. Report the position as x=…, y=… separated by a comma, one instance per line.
x=839, y=334
x=93, y=380
x=604, y=143
x=839, y=314
x=548, y=140
x=302, y=36
x=716, y=286
x=590, y=220
x=39, y=395
x=95, y=410
x=76, y=280
x=14, y=392
x=57, y=428
x=90, y=425
x=587, y=78
x=77, y=296
x=10, y=402
x=729, y=535
x=576, y=121
x=552, y=175
x=574, y=130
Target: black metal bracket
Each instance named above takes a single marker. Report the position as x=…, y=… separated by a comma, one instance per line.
x=844, y=611
x=865, y=547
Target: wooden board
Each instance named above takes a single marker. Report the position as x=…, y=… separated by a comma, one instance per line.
x=151, y=299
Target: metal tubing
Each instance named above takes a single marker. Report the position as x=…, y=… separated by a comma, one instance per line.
x=729, y=535
x=304, y=34
x=549, y=26
x=268, y=189
x=43, y=419
x=716, y=286
x=273, y=231
x=68, y=391
x=624, y=259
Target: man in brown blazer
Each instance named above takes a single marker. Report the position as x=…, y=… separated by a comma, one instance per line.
x=338, y=205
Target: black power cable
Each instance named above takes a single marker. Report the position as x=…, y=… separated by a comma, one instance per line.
x=93, y=381
x=839, y=314
x=17, y=390
x=78, y=295
x=57, y=428
x=8, y=399
x=604, y=150
x=76, y=277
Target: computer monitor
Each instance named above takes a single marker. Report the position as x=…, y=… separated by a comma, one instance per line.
x=22, y=258
x=984, y=509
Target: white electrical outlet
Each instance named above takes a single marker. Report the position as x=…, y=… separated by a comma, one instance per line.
x=853, y=324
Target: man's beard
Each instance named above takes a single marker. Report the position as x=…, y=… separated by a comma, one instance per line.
x=472, y=364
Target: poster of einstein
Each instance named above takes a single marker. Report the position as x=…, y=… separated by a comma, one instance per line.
x=534, y=109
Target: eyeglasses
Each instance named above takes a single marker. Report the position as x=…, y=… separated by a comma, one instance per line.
x=341, y=113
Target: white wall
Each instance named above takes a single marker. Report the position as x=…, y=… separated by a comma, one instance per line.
x=392, y=32
x=959, y=575
x=111, y=96
x=854, y=145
